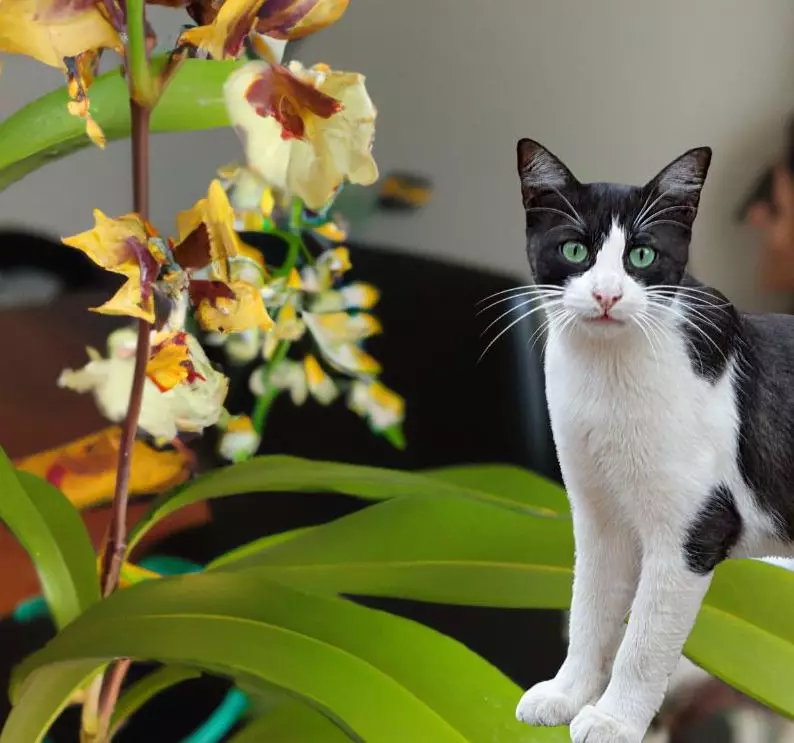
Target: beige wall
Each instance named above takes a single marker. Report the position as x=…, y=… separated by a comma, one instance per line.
x=615, y=87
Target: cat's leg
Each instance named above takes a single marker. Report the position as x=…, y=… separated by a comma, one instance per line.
x=676, y=573
x=605, y=579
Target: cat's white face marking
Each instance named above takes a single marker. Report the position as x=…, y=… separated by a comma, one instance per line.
x=605, y=298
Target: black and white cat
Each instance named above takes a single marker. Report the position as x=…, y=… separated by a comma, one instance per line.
x=673, y=418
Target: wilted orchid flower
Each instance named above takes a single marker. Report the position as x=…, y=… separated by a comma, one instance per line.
x=67, y=34
x=129, y=246
x=207, y=263
x=182, y=392
x=305, y=131
x=224, y=27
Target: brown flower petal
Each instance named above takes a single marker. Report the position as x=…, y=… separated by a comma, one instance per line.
x=278, y=93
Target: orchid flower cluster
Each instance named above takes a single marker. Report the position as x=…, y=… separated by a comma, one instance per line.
x=306, y=132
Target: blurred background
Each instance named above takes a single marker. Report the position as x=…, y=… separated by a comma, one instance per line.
x=616, y=88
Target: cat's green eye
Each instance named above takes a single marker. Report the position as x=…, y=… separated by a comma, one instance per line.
x=574, y=252
x=642, y=256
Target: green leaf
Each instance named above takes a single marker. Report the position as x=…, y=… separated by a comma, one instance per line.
x=290, y=723
x=387, y=679
x=281, y=474
x=43, y=130
x=53, y=534
x=512, y=483
x=43, y=695
x=257, y=546
x=148, y=688
x=446, y=550
x=744, y=633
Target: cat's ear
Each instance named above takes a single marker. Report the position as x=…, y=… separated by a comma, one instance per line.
x=540, y=171
x=683, y=178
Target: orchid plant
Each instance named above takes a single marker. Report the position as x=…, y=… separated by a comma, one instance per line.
x=270, y=615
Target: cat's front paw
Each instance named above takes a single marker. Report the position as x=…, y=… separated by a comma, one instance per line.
x=592, y=725
x=548, y=704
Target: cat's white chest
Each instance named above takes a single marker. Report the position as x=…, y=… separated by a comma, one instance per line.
x=632, y=425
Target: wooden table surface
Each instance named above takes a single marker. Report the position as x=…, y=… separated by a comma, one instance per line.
x=36, y=415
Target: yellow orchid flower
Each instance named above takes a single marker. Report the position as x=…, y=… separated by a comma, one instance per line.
x=334, y=340
x=321, y=386
x=295, y=19
x=299, y=378
x=170, y=364
x=288, y=327
x=223, y=32
x=229, y=308
x=191, y=405
x=333, y=230
x=67, y=34
x=334, y=328
x=239, y=440
x=305, y=131
x=288, y=375
x=330, y=266
x=85, y=470
x=374, y=401
x=127, y=246
x=358, y=295
x=206, y=234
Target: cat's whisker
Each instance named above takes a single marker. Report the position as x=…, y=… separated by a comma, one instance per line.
x=542, y=330
x=638, y=321
x=536, y=295
x=697, y=299
x=646, y=208
x=552, y=210
x=695, y=326
x=546, y=304
x=677, y=207
x=700, y=293
x=703, y=317
x=574, y=213
x=683, y=226
x=517, y=289
x=513, y=323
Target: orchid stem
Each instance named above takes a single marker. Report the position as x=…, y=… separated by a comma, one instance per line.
x=264, y=402
x=116, y=546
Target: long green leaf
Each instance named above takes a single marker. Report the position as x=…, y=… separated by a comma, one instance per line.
x=446, y=550
x=291, y=474
x=292, y=723
x=512, y=483
x=148, y=688
x=43, y=130
x=387, y=679
x=53, y=534
x=258, y=546
x=744, y=633
x=44, y=694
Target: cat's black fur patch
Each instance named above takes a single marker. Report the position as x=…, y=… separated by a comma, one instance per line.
x=765, y=391
x=714, y=533
x=711, y=329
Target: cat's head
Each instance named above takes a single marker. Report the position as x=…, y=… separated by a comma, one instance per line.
x=605, y=253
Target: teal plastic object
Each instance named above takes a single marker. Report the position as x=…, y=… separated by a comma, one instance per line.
x=234, y=705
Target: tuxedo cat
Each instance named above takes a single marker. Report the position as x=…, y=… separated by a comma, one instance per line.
x=673, y=418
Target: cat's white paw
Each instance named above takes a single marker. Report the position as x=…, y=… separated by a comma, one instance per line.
x=548, y=704
x=592, y=725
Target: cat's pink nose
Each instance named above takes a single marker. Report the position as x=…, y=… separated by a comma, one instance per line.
x=607, y=300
